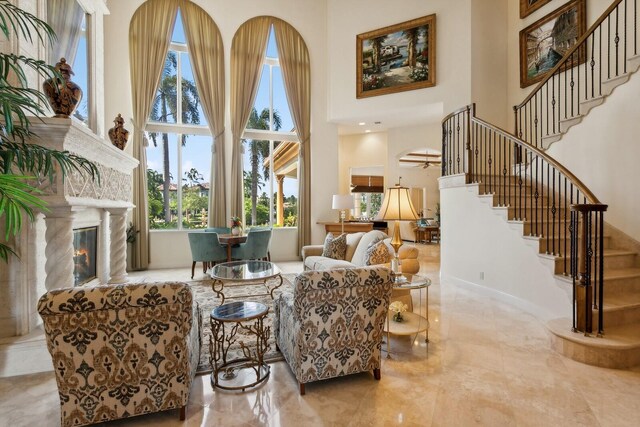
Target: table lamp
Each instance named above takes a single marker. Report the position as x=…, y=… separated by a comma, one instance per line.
x=397, y=207
x=342, y=202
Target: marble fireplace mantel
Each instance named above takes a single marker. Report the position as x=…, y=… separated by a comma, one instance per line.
x=46, y=246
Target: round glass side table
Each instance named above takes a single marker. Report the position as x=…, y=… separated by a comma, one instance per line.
x=412, y=323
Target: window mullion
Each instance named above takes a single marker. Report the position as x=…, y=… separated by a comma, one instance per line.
x=179, y=181
x=179, y=90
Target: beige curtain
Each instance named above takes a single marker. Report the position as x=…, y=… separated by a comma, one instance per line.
x=149, y=37
x=65, y=17
x=248, y=50
x=296, y=73
x=207, y=60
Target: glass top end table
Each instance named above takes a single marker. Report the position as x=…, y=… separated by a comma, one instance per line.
x=245, y=271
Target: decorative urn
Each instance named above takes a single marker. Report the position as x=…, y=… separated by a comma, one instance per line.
x=118, y=134
x=63, y=94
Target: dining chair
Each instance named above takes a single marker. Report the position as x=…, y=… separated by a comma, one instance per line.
x=205, y=248
x=219, y=230
x=256, y=246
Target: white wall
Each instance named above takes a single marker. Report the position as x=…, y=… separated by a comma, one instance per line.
x=357, y=151
x=603, y=152
x=347, y=19
x=308, y=17
x=477, y=240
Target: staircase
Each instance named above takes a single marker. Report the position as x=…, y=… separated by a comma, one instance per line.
x=602, y=59
x=564, y=222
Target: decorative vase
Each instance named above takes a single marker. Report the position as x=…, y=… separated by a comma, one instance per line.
x=236, y=231
x=118, y=134
x=63, y=95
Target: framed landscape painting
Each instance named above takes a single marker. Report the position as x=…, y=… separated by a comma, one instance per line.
x=396, y=58
x=545, y=42
x=527, y=7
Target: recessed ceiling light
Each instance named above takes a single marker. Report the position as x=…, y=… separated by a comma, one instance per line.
x=361, y=123
x=368, y=130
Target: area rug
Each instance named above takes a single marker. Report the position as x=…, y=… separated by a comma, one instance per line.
x=253, y=291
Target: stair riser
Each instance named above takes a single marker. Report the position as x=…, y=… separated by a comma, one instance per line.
x=560, y=241
x=610, y=262
x=619, y=286
x=617, y=317
x=540, y=228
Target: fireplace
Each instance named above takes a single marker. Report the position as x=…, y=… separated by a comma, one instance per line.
x=84, y=254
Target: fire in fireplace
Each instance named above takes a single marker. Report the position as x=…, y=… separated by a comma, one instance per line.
x=84, y=254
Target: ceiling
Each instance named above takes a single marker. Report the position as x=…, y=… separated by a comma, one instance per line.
x=421, y=158
x=388, y=119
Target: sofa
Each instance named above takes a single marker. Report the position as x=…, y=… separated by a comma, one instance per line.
x=121, y=350
x=357, y=244
x=331, y=324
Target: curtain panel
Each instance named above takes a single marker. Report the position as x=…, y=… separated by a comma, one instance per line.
x=149, y=38
x=65, y=17
x=248, y=50
x=296, y=74
x=207, y=59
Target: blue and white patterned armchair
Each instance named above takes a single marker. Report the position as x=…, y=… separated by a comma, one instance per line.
x=331, y=325
x=121, y=350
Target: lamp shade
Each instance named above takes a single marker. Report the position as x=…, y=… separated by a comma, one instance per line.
x=342, y=201
x=397, y=205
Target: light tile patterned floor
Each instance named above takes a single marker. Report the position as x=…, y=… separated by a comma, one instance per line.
x=488, y=363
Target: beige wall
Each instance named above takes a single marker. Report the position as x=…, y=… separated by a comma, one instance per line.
x=346, y=19
x=356, y=151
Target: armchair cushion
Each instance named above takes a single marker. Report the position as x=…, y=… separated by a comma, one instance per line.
x=331, y=324
x=121, y=350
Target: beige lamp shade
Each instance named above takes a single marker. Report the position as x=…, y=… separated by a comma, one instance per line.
x=397, y=205
x=342, y=201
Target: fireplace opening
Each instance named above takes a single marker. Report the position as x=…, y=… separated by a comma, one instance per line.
x=84, y=254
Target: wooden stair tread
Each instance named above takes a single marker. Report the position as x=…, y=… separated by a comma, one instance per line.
x=621, y=273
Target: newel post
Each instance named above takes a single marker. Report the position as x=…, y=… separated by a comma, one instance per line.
x=470, y=112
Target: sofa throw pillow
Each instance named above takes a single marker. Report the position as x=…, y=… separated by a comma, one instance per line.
x=335, y=247
x=377, y=253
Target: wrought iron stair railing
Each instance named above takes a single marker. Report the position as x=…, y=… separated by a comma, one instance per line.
x=540, y=191
x=587, y=72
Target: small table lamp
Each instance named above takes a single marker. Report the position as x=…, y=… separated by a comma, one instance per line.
x=342, y=202
x=397, y=206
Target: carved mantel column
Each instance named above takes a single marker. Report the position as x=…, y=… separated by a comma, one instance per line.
x=59, y=248
x=118, y=248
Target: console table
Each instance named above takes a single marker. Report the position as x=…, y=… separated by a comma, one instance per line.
x=349, y=227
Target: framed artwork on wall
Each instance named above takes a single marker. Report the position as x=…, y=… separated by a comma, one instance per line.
x=396, y=58
x=527, y=7
x=544, y=43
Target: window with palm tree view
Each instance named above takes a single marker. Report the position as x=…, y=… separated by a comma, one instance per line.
x=179, y=151
x=270, y=147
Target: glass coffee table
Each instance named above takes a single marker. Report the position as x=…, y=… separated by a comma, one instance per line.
x=226, y=321
x=235, y=272
x=412, y=323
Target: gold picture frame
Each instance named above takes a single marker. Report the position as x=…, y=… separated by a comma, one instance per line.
x=527, y=7
x=543, y=43
x=396, y=58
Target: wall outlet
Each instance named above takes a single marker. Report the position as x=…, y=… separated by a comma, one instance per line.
x=482, y=275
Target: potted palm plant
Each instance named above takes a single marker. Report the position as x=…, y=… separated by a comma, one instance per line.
x=23, y=163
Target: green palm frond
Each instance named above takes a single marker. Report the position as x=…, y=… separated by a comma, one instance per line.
x=30, y=158
x=16, y=197
x=14, y=20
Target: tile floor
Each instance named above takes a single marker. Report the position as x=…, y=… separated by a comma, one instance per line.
x=488, y=363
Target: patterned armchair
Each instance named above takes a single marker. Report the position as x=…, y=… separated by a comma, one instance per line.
x=121, y=350
x=331, y=325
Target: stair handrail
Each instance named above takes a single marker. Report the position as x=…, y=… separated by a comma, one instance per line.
x=539, y=191
x=570, y=52
x=581, y=78
x=470, y=110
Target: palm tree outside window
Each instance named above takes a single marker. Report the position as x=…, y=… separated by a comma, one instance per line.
x=270, y=147
x=179, y=152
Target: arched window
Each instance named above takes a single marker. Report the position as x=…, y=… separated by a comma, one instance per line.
x=270, y=114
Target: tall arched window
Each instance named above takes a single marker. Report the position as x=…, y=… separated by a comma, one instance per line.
x=270, y=114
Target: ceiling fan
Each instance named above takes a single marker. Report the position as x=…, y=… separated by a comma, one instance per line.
x=428, y=163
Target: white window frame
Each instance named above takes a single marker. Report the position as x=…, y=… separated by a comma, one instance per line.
x=179, y=129
x=270, y=135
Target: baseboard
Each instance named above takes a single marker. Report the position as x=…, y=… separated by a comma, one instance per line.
x=538, y=312
x=24, y=355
